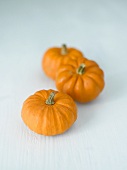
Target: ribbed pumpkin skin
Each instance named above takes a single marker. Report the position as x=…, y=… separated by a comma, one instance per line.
x=53, y=58
x=82, y=88
x=49, y=119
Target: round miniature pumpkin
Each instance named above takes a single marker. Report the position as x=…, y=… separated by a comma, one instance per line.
x=55, y=56
x=49, y=112
x=82, y=79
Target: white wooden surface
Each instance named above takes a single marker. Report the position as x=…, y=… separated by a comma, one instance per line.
x=98, y=140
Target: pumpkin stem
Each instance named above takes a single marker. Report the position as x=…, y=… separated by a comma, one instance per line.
x=64, y=49
x=50, y=99
x=81, y=69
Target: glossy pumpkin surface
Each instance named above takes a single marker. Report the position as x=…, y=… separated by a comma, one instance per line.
x=82, y=79
x=49, y=112
x=55, y=56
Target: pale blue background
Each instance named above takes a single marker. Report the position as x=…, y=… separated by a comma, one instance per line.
x=98, y=140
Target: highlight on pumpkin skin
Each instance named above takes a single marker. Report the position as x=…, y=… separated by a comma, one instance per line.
x=54, y=57
x=49, y=112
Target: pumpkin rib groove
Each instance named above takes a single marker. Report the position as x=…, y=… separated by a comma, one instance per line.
x=75, y=83
x=63, y=115
x=71, y=84
x=52, y=122
x=69, y=111
x=39, y=97
x=82, y=87
x=36, y=101
x=93, y=81
x=59, y=119
x=92, y=66
x=64, y=69
x=91, y=63
x=66, y=115
x=98, y=74
x=66, y=107
x=40, y=116
x=65, y=80
x=46, y=120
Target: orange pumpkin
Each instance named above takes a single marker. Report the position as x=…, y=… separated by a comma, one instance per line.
x=82, y=79
x=55, y=56
x=49, y=112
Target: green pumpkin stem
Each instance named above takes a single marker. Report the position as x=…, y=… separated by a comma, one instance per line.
x=50, y=100
x=81, y=69
x=64, y=49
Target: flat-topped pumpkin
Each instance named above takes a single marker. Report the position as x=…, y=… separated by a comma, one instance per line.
x=49, y=112
x=82, y=79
